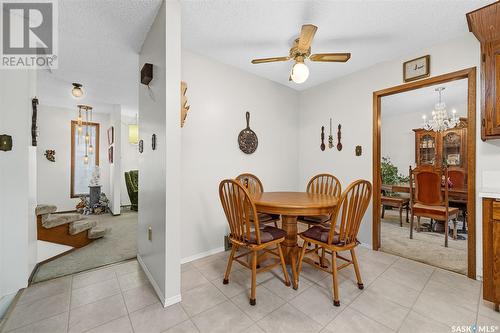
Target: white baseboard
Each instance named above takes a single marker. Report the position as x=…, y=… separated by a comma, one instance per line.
x=164, y=301
x=202, y=255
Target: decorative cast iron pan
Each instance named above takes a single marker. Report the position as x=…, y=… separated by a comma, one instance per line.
x=247, y=139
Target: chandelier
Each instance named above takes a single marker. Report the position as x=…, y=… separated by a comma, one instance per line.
x=440, y=121
x=85, y=111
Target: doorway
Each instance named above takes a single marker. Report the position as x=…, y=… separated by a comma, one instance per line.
x=469, y=76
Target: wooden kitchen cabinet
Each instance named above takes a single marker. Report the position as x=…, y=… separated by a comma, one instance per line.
x=491, y=250
x=484, y=23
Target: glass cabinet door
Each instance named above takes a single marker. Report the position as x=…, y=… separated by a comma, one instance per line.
x=452, y=154
x=427, y=149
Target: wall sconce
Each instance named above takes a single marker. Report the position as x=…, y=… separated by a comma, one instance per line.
x=5, y=142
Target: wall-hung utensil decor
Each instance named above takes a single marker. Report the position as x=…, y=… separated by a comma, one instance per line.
x=417, y=68
x=247, y=139
x=153, y=142
x=141, y=146
x=184, y=106
x=111, y=135
x=34, y=103
x=50, y=155
x=146, y=74
x=322, y=146
x=330, y=137
x=5, y=142
x=358, y=150
x=339, y=136
x=110, y=154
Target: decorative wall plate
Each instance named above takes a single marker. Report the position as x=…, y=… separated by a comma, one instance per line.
x=247, y=139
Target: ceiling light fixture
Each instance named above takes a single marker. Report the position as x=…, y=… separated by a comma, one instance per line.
x=440, y=121
x=300, y=72
x=77, y=91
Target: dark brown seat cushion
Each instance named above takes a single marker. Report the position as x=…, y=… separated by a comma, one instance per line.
x=267, y=234
x=320, y=234
x=320, y=219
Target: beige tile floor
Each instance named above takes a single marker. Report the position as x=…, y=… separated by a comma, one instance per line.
x=400, y=295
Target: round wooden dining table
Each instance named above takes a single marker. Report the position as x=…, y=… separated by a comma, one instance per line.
x=291, y=205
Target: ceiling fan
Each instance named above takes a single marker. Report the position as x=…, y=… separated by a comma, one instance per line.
x=300, y=51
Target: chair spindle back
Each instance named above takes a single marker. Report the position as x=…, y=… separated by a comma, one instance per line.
x=350, y=210
x=239, y=208
x=251, y=182
x=324, y=184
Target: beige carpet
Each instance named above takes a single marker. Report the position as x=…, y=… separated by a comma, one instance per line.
x=119, y=245
x=426, y=247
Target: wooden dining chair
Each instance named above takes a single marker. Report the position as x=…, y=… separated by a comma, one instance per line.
x=323, y=183
x=341, y=234
x=427, y=198
x=247, y=234
x=253, y=185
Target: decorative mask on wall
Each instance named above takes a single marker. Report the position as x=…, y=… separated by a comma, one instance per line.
x=50, y=155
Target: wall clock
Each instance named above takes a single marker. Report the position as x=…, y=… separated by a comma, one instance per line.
x=417, y=68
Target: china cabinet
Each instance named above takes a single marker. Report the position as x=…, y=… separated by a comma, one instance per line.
x=442, y=148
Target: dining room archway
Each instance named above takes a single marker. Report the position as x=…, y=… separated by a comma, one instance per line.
x=469, y=75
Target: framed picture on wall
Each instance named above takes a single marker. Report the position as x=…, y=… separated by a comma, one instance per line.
x=110, y=154
x=417, y=68
x=111, y=135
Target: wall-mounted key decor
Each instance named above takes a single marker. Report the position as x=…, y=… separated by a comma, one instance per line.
x=339, y=135
x=322, y=146
x=358, y=150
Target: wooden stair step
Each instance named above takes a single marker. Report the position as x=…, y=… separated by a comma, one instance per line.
x=45, y=209
x=97, y=232
x=82, y=225
x=55, y=220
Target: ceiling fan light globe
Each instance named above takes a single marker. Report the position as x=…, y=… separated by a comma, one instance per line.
x=300, y=72
x=77, y=92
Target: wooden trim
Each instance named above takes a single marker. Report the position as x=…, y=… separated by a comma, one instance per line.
x=96, y=152
x=470, y=75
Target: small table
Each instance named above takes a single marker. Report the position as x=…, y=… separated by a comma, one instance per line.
x=290, y=205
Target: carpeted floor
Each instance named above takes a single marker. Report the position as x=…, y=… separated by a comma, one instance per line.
x=119, y=245
x=426, y=247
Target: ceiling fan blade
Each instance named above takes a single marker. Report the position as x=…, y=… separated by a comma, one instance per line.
x=264, y=60
x=330, y=57
x=306, y=36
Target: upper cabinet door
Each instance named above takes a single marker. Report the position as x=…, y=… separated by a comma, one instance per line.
x=484, y=23
x=491, y=96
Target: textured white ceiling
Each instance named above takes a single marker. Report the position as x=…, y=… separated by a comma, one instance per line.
x=423, y=100
x=99, y=42
x=234, y=32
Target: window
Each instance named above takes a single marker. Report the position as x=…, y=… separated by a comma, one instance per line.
x=81, y=172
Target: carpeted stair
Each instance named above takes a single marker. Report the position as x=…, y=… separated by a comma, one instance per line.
x=68, y=229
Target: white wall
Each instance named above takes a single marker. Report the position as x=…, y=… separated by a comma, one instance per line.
x=349, y=101
x=219, y=96
x=129, y=157
x=398, y=137
x=54, y=179
x=159, y=170
x=17, y=184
